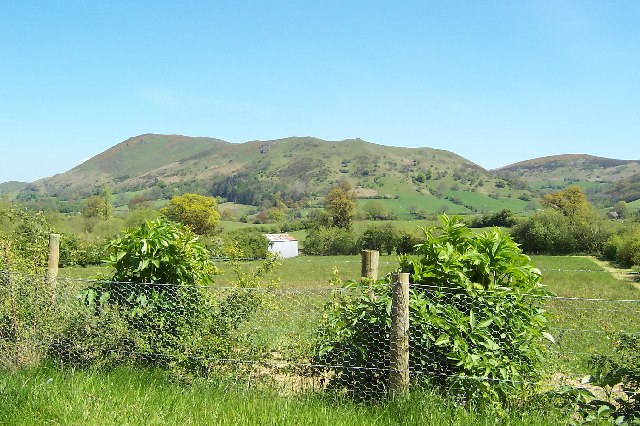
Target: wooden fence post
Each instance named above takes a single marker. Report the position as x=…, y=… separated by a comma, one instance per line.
x=370, y=260
x=399, y=354
x=52, y=263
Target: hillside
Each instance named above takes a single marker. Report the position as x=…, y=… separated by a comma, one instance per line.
x=12, y=187
x=602, y=178
x=296, y=169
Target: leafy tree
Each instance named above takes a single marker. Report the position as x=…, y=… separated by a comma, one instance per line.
x=341, y=205
x=576, y=227
x=503, y=218
x=197, y=211
x=622, y=209
x=376, y=210
x=381, y=238
x=571, y=202
x=97, y=206
x=330, y=241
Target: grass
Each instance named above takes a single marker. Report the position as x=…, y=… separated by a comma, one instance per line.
x=585, y=327
x=581, y=327
x=140, y=397
x=483, y=203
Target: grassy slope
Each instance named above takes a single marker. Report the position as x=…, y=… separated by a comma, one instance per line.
x=299, y=164
x=596, y=175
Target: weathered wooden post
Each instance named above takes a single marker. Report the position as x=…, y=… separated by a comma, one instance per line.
x=370, y=260
x=52, y=263
x=399, y=355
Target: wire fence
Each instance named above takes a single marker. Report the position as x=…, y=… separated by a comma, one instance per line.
x=287, y=338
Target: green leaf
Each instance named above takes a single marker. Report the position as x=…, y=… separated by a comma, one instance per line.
x=442, y=340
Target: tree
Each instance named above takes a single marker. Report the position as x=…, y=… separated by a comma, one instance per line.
x=97, y=206
x=197, y=211
x=376, y=210
x=571, y=202
x=341, y=205
x=621, y=208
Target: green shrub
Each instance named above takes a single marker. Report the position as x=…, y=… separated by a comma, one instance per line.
x=624, y=247
x=546, y=232
x=620, y=370
x=81, y=250
x=252, y=242
x=329, y=241
x=406, y=242
x=503, y=218
x=379, y=237
x=476, y=331
x=154, y=305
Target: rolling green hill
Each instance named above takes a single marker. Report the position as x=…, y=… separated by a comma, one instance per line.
x=12, y=187
x=299, y=171
x=294, y=170
x=605, y=180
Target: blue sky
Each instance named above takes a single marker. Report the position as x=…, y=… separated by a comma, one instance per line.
x=494, y=81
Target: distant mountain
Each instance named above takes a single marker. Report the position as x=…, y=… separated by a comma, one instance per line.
x=300, y=170
x=12, y=187
x=602, y=178
x=295, y=169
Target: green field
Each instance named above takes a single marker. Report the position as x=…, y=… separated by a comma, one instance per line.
x=484, y=204
x=138, y=397
x=124, y=396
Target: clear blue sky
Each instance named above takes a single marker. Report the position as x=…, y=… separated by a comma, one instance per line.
x=494, y=81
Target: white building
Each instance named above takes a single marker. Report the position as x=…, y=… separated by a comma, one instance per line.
x=283, y=244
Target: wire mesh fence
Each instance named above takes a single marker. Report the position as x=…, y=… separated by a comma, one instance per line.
x=296, y=339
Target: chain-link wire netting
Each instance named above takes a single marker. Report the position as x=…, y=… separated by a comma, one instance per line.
x=299, y=339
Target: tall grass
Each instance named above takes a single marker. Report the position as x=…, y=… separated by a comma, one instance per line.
x=140, y=397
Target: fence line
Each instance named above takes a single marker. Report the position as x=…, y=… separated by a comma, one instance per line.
x=278, y=333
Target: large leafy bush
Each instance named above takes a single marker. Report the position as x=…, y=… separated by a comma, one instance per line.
x=476, y=331
x=156, y=305
x=327, y=241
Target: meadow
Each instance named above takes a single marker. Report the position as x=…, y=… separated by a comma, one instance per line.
x=48, y=394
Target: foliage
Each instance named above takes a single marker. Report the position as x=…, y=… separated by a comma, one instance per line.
x=383, y=238
x=340, y=204
x=99, y=205
x=252, y=243
x=376, y=210
x=173, y=318
x=503, y=218
x=197, y=211
x=24, y=235
x=620, y=370
x=571, y=202
x=156, y=307
x=476, y=331
x=545, y=232
x=621, y=209
x=81, y=250
x=552, y=232
x=330, y=241
x=406, y=242
x=624, y=247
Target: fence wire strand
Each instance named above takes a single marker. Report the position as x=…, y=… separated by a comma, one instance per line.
x=259, y=335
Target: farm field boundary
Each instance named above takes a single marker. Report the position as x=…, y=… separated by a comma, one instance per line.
x=274, y=342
